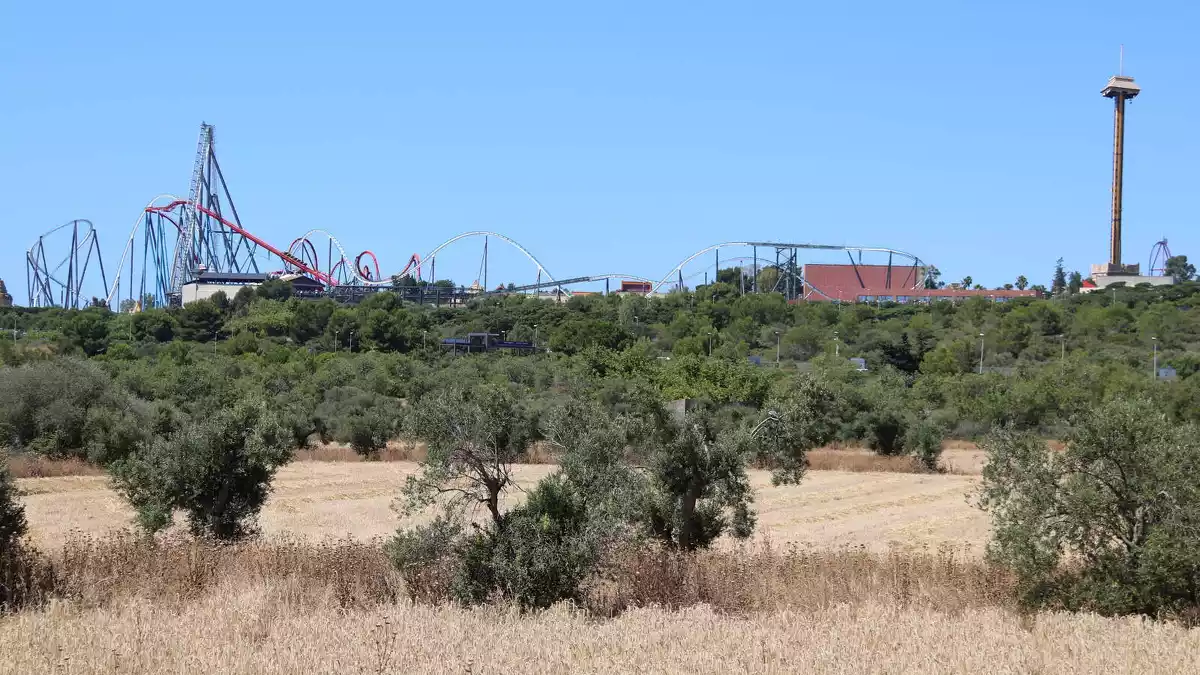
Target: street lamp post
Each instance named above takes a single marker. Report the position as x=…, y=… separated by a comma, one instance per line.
x=1154, y=373
x=710, y=344
x=1062, y=362
x=837, y=345
x=535, y=335
x=981, y=353
x=337, y=339
x=351, y=341
x=423, y=339
x=776, y=349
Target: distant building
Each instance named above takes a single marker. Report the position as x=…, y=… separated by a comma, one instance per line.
x=5, y=298
x=208, y=284
x=640, y=287
x=484, y=342
x=887, y=283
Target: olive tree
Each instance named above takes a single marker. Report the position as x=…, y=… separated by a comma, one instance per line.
x=473, y=437
x=1111, y=523
x=217, y=470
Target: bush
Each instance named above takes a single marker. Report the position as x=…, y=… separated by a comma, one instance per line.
x=12, y=514
x=217, y=470
x=365, y=420
x=547, y=547
x=1110, y=524
x=923, y=440
x=54, y=407
x=24, y=576
x=427, y=557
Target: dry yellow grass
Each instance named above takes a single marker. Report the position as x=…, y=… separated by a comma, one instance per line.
x=269, y=628
x=34, y=466
x=354, y=499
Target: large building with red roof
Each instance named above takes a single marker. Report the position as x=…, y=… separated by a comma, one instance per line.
x=887, y=283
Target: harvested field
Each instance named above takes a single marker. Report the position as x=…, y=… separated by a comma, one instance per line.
x=319, y=500
x=271, y=628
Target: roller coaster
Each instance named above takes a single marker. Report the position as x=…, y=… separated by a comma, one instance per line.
x=175, y=239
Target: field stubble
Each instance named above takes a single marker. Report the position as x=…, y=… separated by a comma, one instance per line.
x=298, y=607
x=863, y=572
x=319, y=500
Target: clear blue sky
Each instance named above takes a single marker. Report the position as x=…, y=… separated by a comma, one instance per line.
x=617, y=138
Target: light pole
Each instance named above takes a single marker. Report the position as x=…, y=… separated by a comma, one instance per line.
x=1062, y=362
x=337, y=339
x=423, y=339
x=981, y=353
x=535, y=335
x=776, y=349
x=710, y=344
x=351, y=341
x=1154, y=373
x=837, y=345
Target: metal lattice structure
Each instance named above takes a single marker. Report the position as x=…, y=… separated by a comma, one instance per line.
x=175, y=240
x=59, y=282
x=1159, y=255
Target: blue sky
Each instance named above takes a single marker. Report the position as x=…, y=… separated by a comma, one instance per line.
x=615, y=138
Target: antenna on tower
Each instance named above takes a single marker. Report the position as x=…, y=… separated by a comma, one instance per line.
x=1121, y=65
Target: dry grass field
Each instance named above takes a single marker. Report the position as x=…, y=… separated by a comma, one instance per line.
x=849, y=583
x=319, y=500
x=268, y=629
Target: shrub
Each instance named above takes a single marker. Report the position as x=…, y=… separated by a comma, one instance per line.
x=217, y=470
x=12, y=514
x=54, y=407
x=923, y=440
x=427, y=557
x=1111, y=523
x=24, y=576
x=546, y=547
x=365, y=420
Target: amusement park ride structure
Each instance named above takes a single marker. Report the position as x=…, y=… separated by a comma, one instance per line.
x=175, y=239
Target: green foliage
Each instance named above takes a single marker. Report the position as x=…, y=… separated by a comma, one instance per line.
x=698, y=483
x=217, y=470
x=365, y=420
x=805, y=416
x=427, y=557
x=12, y=513
x=923, y=440
x=1178, y=267
x=473, y=437
x=1110, y=524
x=65, y=408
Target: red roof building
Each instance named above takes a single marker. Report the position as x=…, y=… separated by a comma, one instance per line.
x=886, y=283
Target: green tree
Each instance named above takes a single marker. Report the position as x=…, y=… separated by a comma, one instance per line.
x=1022, y=283
x=274, y=289
x=200, y=321
x=218, y=470
x=768, y=279
x=1110, y=524
x=1074, y=282
x=1058, y=284
x=1179, y=268
x=698, y=482
x=12, y=516
x=473, y=438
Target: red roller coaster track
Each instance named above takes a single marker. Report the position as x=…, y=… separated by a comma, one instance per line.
x=287, y=258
